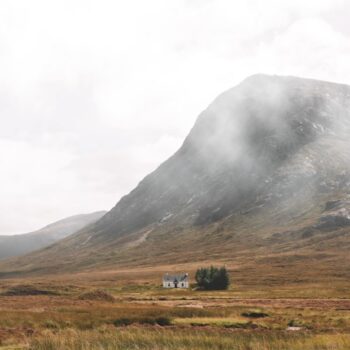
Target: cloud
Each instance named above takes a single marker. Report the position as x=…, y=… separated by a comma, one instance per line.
x=95, y=94
x=309, y=47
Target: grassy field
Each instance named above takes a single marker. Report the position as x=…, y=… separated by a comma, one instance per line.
x=129, y=310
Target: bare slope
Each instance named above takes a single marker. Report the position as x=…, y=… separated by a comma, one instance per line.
x=25, y=243
x=264, y=173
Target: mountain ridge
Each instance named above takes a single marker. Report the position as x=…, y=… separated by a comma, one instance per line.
x=254, y=176
x=21, y=244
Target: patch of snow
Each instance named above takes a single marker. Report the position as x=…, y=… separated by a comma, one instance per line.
x=190, y=200
x=166, y=217
x=140, y=240
x=86, y=241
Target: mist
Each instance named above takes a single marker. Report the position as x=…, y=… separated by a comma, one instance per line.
x=95, y=95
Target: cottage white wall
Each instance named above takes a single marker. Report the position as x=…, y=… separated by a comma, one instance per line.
x=168, y=284
x=182, y=285
x=172, y=285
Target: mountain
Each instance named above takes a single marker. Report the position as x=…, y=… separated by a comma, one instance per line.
x=262, y=180
x=25, y=243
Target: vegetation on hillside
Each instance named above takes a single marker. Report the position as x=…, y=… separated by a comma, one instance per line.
x=285, y=207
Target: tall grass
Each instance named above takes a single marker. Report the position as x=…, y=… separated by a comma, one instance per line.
x=136, y=338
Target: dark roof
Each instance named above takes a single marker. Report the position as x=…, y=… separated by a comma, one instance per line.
x=171, y=278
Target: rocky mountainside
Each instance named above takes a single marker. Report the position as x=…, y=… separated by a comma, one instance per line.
x=25, y=243
x=264, y=171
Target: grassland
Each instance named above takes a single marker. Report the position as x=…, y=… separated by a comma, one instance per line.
x=127, y=309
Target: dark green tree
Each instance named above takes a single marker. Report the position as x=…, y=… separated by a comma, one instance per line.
x=212, y=278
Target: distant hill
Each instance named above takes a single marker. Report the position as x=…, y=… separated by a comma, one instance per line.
x=262, y=182
x=25, y=243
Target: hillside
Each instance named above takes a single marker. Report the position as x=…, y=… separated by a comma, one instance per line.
x=261, y=182
x=25, y=243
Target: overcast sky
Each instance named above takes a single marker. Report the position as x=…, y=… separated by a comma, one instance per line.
x=95, y=94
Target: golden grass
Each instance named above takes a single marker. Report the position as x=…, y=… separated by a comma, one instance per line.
x=169, y=339
x=194, y=319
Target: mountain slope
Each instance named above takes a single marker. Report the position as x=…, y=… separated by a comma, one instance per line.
x=264, y=172
x=25, y=243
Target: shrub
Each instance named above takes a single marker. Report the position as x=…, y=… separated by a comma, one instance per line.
x=296, y=323
x=26, y=290
x=212, y=278
x=49, y=324
x=97, y=295
x=163, y=321
x=160, y=321
x=122, y=322
x=146, y=320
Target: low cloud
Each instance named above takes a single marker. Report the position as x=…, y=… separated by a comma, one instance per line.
x=95, y=94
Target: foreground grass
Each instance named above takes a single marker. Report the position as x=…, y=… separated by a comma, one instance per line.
x=134, y=338
x=49, y=316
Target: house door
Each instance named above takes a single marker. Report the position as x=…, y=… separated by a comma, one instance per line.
x=175, y=283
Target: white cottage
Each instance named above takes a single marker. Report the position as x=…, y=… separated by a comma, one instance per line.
x=175, y=281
